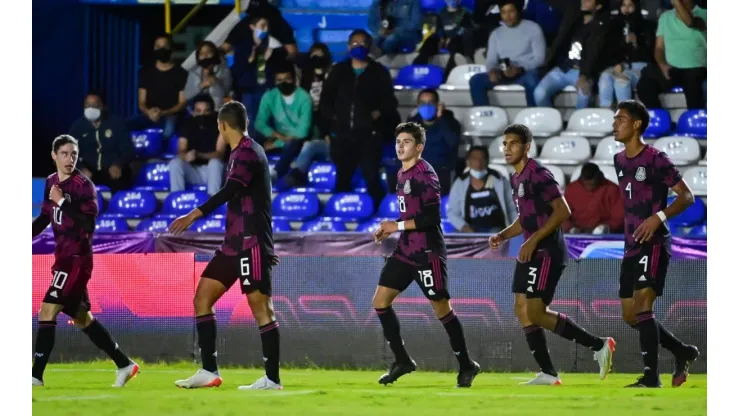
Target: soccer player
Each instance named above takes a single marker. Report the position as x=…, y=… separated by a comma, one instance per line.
x=421, y=256
x=71, y=208
x=541, y=261
x=645, y=174
x=246, y=254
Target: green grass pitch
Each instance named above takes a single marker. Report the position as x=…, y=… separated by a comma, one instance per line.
x=84, y=389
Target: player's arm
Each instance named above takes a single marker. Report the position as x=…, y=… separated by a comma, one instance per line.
x=513, y=230
x=81, y=218
x=560, y=213
x=39, y=224
x=428, y=218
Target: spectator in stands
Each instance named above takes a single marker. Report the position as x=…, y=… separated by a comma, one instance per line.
x=443, y=135
x=281, y=33
x=633, y=42
x=358, y=101
x=313, y=75
x=454, y=33
x=212, y=76
x=480, y=200
x=396, y=24
x=284, y=118
x=105, y=145
x=161, y=91
x=595, y=203
x=681, y=56
x=576, y=57
x=487, y=18
x=515, y=50
x=200, y=157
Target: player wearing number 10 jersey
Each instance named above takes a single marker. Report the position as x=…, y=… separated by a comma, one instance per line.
x=420, y=256
x=71, y=207
x=645, y=174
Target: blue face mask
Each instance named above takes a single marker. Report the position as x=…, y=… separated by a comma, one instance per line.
x=358, y=71
x=261, y=34
x=427, y=111
x=359, y=52
x=451, y=3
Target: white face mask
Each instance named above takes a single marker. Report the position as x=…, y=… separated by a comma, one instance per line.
x=478, y=174
x=92, y=114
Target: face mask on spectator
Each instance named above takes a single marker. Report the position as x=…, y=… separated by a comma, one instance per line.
x=260, y=34
x=427, y=111
x=92, y=114
x=478, y=174
x=163, y=54
x=451, y=3
x=205, y=63
x=319, y=61
x=286, y=88
x=359, y=52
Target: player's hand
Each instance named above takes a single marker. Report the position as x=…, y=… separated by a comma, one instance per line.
x=646, y=230
x=526, y=251
x=181, y=224
x=388, y=227
x=55, y=193
x=379, y=235
x=115, y=172
x=274, y=260
x=495, y=241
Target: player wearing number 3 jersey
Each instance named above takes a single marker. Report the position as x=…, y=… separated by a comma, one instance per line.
x=420, y=256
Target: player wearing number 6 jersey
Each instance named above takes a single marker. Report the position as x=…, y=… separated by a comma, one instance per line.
x=246, y=254
x=420, y=256
x=542, y=210
x=71, y=207
x=645, y=174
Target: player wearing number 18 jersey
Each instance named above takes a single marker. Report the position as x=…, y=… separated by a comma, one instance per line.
x=645, y=174
x=420, y=256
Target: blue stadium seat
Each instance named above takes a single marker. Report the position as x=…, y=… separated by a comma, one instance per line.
x=349, y=206
x=148, y=143
x=274, y=158
x=194, y=187
x=432, y=6
x=153, y=177
x=295, y=206
x=131, y=204
x=447, y=227
x=102, y=188
x=111, y=225
x=677, y=90
x=171, y=151
x=692, y=123
x=324, y=225
x=281, y=226
x=153, y=225
x=322, y=177
x=443, y=208
x=660, y=124
x=373, y=224
x=694, y=215
x=209, y=225
x=419, y=77
x=389, y=207
x=699, y=231
x=101, y=203
x=181, y=202
x=220, y=212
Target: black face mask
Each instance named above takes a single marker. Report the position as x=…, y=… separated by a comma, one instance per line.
x=163, y=54
x=205, y=63
x=286, y=88
x=319, y=61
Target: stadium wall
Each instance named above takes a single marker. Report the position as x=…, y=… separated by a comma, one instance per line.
x=323, y=304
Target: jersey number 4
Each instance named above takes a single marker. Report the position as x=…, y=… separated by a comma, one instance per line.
x=244, y=263
x=628, y=188
x=401, y=204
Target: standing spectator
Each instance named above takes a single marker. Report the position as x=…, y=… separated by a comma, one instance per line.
x=200, y=157
x=161, y=91
x=595, y=203
x=313, y=75
x=454, y=33
x=681, y=56
x=515, y=51
x=480, y=200
x=288, y=109
x=280, y=29
x=442, y=133
x=396, y=24
x=212, y=76
x=105, y=145
x=576, y=55
x=358, y=100
x=633, y=42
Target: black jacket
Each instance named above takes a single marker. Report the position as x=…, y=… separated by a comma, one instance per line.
x=347, y=100
x=619, y=51
x=109, y=144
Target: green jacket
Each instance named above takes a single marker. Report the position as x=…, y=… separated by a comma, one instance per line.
x=292, y=120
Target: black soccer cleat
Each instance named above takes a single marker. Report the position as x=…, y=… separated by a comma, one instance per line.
x=465, y=377
x=396, y=371
x=681, y=372
x=644, y=382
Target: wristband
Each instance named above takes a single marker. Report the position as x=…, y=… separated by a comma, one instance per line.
x=61, y=201
x=401, y=225
x=661, y=215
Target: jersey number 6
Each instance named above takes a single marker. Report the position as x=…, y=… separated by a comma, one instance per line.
x=244, y=263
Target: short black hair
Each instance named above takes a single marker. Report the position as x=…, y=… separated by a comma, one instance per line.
x=415, y=130
x=99, y=94
x=165, y=36
x=320, y=46
x=284, y=67
x=234, y=115
x=204, y=98
x=253, y=19
x=518, y=4
x=637, y=111
x=524, y=133
x=429, y=91
x=591, y=171
x=61, y=140
x=210, y=44
x=363, y=32
x=482, y=149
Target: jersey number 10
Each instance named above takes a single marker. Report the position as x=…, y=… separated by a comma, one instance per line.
x=57, y=215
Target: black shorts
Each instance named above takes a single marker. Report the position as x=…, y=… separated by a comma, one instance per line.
x=69, y=284
x=431, y=276
x=538, y=278
x=250, y=268
x=646, y=269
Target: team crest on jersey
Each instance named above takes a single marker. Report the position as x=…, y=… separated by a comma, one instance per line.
x=108, y=133
x=640, y=175
x=407, y=187
x=520, y=192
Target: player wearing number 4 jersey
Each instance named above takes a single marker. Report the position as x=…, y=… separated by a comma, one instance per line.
x=645, y=174
x=420, y=256
x=541, y=261
x=246, y=254
x=71, y=207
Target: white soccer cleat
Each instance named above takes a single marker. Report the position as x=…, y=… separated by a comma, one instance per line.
x=202, y=378
x=123, y=375
x=604, y=356
x=542, y=379
x=263, y=383
x=36, y=382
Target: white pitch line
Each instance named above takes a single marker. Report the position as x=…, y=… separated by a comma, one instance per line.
x=77, y=398
x=184, y=371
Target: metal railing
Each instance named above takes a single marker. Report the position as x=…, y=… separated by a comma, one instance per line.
x=168, y=15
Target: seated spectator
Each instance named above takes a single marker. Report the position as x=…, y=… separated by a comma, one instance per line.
x=454, y=33
x=212, y=76
x=486, y=15
x=515, y=51
x=681, y=56
x=443, y=136
x=105, y=145
x=281, y=33
x=284, y=118
x=576, y=56
x=161, y=92
x=633, y=41
x=595, y=204
x=200, y=157
x=480, y=200
x=396, y=25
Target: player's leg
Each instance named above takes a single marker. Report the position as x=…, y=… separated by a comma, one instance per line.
x=537, y=343
x=647, y=326
x=44, y=340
